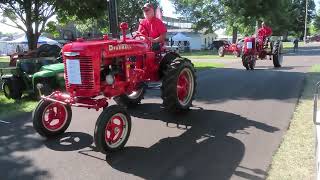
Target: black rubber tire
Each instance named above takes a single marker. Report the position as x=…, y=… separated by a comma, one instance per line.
x=6, y=85
x=16, y=91
x=169, y=85
x=166, y=61
x=99, y=131
x=252, y=64
x=47, y=50
x=245, y=63
x=126, y=101
x=221, y=51
x=37, y=120
x=277, y=57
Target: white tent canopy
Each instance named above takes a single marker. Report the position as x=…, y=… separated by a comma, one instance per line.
x=180, y=37
x=41, y=40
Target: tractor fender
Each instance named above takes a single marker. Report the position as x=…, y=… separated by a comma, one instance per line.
x=42, y=75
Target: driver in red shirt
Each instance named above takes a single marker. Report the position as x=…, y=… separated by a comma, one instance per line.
x=263, y=33
x=151, y=26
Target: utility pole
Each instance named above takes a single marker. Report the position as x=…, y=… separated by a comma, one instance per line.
x=305, y=25
x=113, y=18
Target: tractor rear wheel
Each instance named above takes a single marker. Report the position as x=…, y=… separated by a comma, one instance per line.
x=112, y=129
x=221, y=51
x=12, y=88
x=130, y=100
x=7, y=88
x=51, y=119
x=277, y=54
x=178, y=85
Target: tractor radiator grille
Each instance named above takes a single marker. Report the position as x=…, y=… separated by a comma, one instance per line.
x=87, y=75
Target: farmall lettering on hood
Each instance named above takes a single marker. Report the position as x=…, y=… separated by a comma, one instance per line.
x=119, y=47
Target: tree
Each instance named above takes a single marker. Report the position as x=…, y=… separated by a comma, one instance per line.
x=316, y=22
x=128, y=11
x=29, y=16
x=299, y=10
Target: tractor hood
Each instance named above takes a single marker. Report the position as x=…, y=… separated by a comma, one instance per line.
x=53, y=67
x=110, y=48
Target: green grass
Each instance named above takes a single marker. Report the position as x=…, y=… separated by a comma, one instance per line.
x=295, y=158
x=9, y=107
x=4, y=61
x=208, y=54
x=287, y=45
x=207, y=65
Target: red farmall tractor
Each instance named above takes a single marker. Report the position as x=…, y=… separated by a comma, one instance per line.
x=254, y=49
x=228, y=48
x=98, y=70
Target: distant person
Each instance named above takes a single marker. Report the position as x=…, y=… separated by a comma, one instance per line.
x=295, y=43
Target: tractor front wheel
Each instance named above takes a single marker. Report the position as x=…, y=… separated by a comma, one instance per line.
x=112, y=129
x=245, y=62
x=7, y=88
x=252, y=63
x=221, y=51
x=179, y=85
x=51, y=119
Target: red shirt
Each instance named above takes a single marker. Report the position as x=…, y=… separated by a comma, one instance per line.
x=264, y=32
x=152, y=28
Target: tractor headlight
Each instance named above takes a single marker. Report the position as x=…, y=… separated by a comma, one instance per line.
x=109, y=79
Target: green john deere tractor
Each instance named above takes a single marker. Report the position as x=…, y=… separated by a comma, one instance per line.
x=28, y=73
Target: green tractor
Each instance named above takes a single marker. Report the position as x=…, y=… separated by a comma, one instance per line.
x=28, y=73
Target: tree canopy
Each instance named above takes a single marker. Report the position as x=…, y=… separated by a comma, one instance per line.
x=284, y=16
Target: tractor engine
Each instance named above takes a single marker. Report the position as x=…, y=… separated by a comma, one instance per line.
x=107, y=67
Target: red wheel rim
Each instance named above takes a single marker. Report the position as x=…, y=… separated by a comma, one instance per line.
x=185, y=86
x=116, y=130
x=54, y=117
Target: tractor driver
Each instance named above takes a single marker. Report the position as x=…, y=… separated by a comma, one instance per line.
x=152, y=27
x=263, y=33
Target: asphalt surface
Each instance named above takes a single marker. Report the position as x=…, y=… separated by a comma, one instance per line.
x=236, y=125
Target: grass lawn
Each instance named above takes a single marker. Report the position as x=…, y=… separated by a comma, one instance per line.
x=10, y=107
x=295, y=158
x=4, y=61
x=207, y=65
x=208, y=54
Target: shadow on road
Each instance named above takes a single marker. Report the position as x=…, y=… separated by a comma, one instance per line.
x=203, y=151
x=15, y=137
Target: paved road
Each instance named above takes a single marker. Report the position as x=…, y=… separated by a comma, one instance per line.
x=236, y=125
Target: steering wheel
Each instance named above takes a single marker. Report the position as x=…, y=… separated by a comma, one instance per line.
x=146, y=38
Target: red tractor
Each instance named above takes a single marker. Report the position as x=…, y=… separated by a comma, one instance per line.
x=98, y=70
x=234, y=49
x=254, y=49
